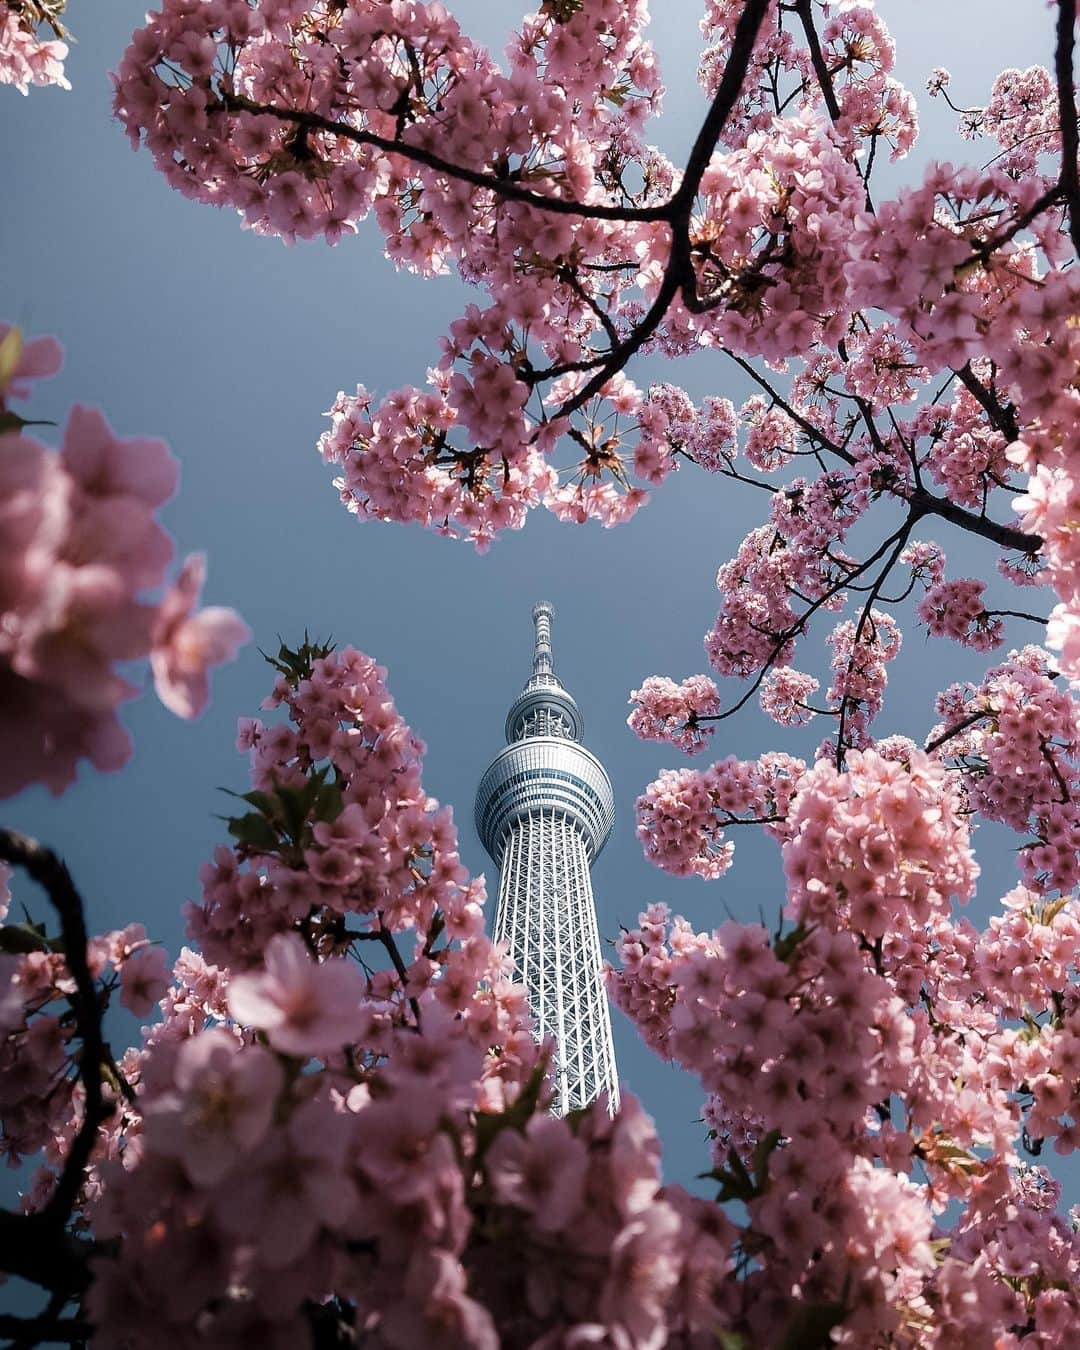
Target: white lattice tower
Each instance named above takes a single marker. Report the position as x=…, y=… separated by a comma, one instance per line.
x=544, y=810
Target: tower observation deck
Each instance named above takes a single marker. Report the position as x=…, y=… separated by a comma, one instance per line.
x=544, y=810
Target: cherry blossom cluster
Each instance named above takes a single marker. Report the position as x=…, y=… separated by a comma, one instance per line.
x=340, y=824
x=878, y=848
x=1050, y=506
x=302, y=105
x=758, y=622
x=771, y=438
x=670, y=423
x=375, y=1199
x=80, y=544
x=784, y=694
x=752, y=1018
x=1016, y=739
x=957, y=610
x=881, y=368
x=40, y=1048
x=396, y=111
x=396, y=465
x=858, y=52
x=771, y=282
x=682, y=815
x=27, y=57
x=666, y=711
x=861, y=650
x=966, y=453
x=759, y=1017
x=378, y=74
x=1022, y=116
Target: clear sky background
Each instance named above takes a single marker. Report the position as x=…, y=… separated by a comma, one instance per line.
x=180, y=324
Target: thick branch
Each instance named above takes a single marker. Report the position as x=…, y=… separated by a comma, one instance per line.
x=50, y=872
x=727, y=95
x=1003, y=417
x=35, y=1249
x=817, y=59
x=1008, y=536
x=43, y=1330
x=1063, y=70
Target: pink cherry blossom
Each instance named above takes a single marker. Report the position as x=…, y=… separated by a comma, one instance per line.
x=187, y=642
x=305, y=1007
x=218, y=1108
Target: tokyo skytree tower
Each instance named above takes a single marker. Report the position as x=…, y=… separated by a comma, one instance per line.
x=544, y=810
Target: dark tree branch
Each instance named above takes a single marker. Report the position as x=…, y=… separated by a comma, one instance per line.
x=955, y=730
x=814, y=433
x=35, y=1248
x=1008, y=536
x=1003, y=417
x=29, y=1331
x=817, y=59
x=793, y=630
x=506, y=188
x=1063, y=70
x=50, y=872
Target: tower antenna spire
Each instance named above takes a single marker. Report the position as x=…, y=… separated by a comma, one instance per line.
x=543, y=662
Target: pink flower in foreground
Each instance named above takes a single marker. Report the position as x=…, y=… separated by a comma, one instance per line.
x=144, y=978
x=187, y=643
x=541, y=1171
x=220, y=1108
x=436, y=1312
x=295, y=1183
x=304, y=1006
x=1063, y=634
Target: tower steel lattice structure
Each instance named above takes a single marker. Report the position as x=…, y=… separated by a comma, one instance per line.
x=544, y=810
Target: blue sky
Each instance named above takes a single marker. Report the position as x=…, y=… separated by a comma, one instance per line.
x=180, y=324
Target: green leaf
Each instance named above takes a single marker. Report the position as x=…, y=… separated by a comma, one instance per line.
x=265, y=802
x=295, y=804
x=490, y=1124
x=785, y=947
x=18, y=938
x=296, y=663
x=736, y=1183
x=329, y=803
x=760, y=1160
x=254, y=829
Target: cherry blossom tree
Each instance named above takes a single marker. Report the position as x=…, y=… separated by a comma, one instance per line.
x=335, y=1132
